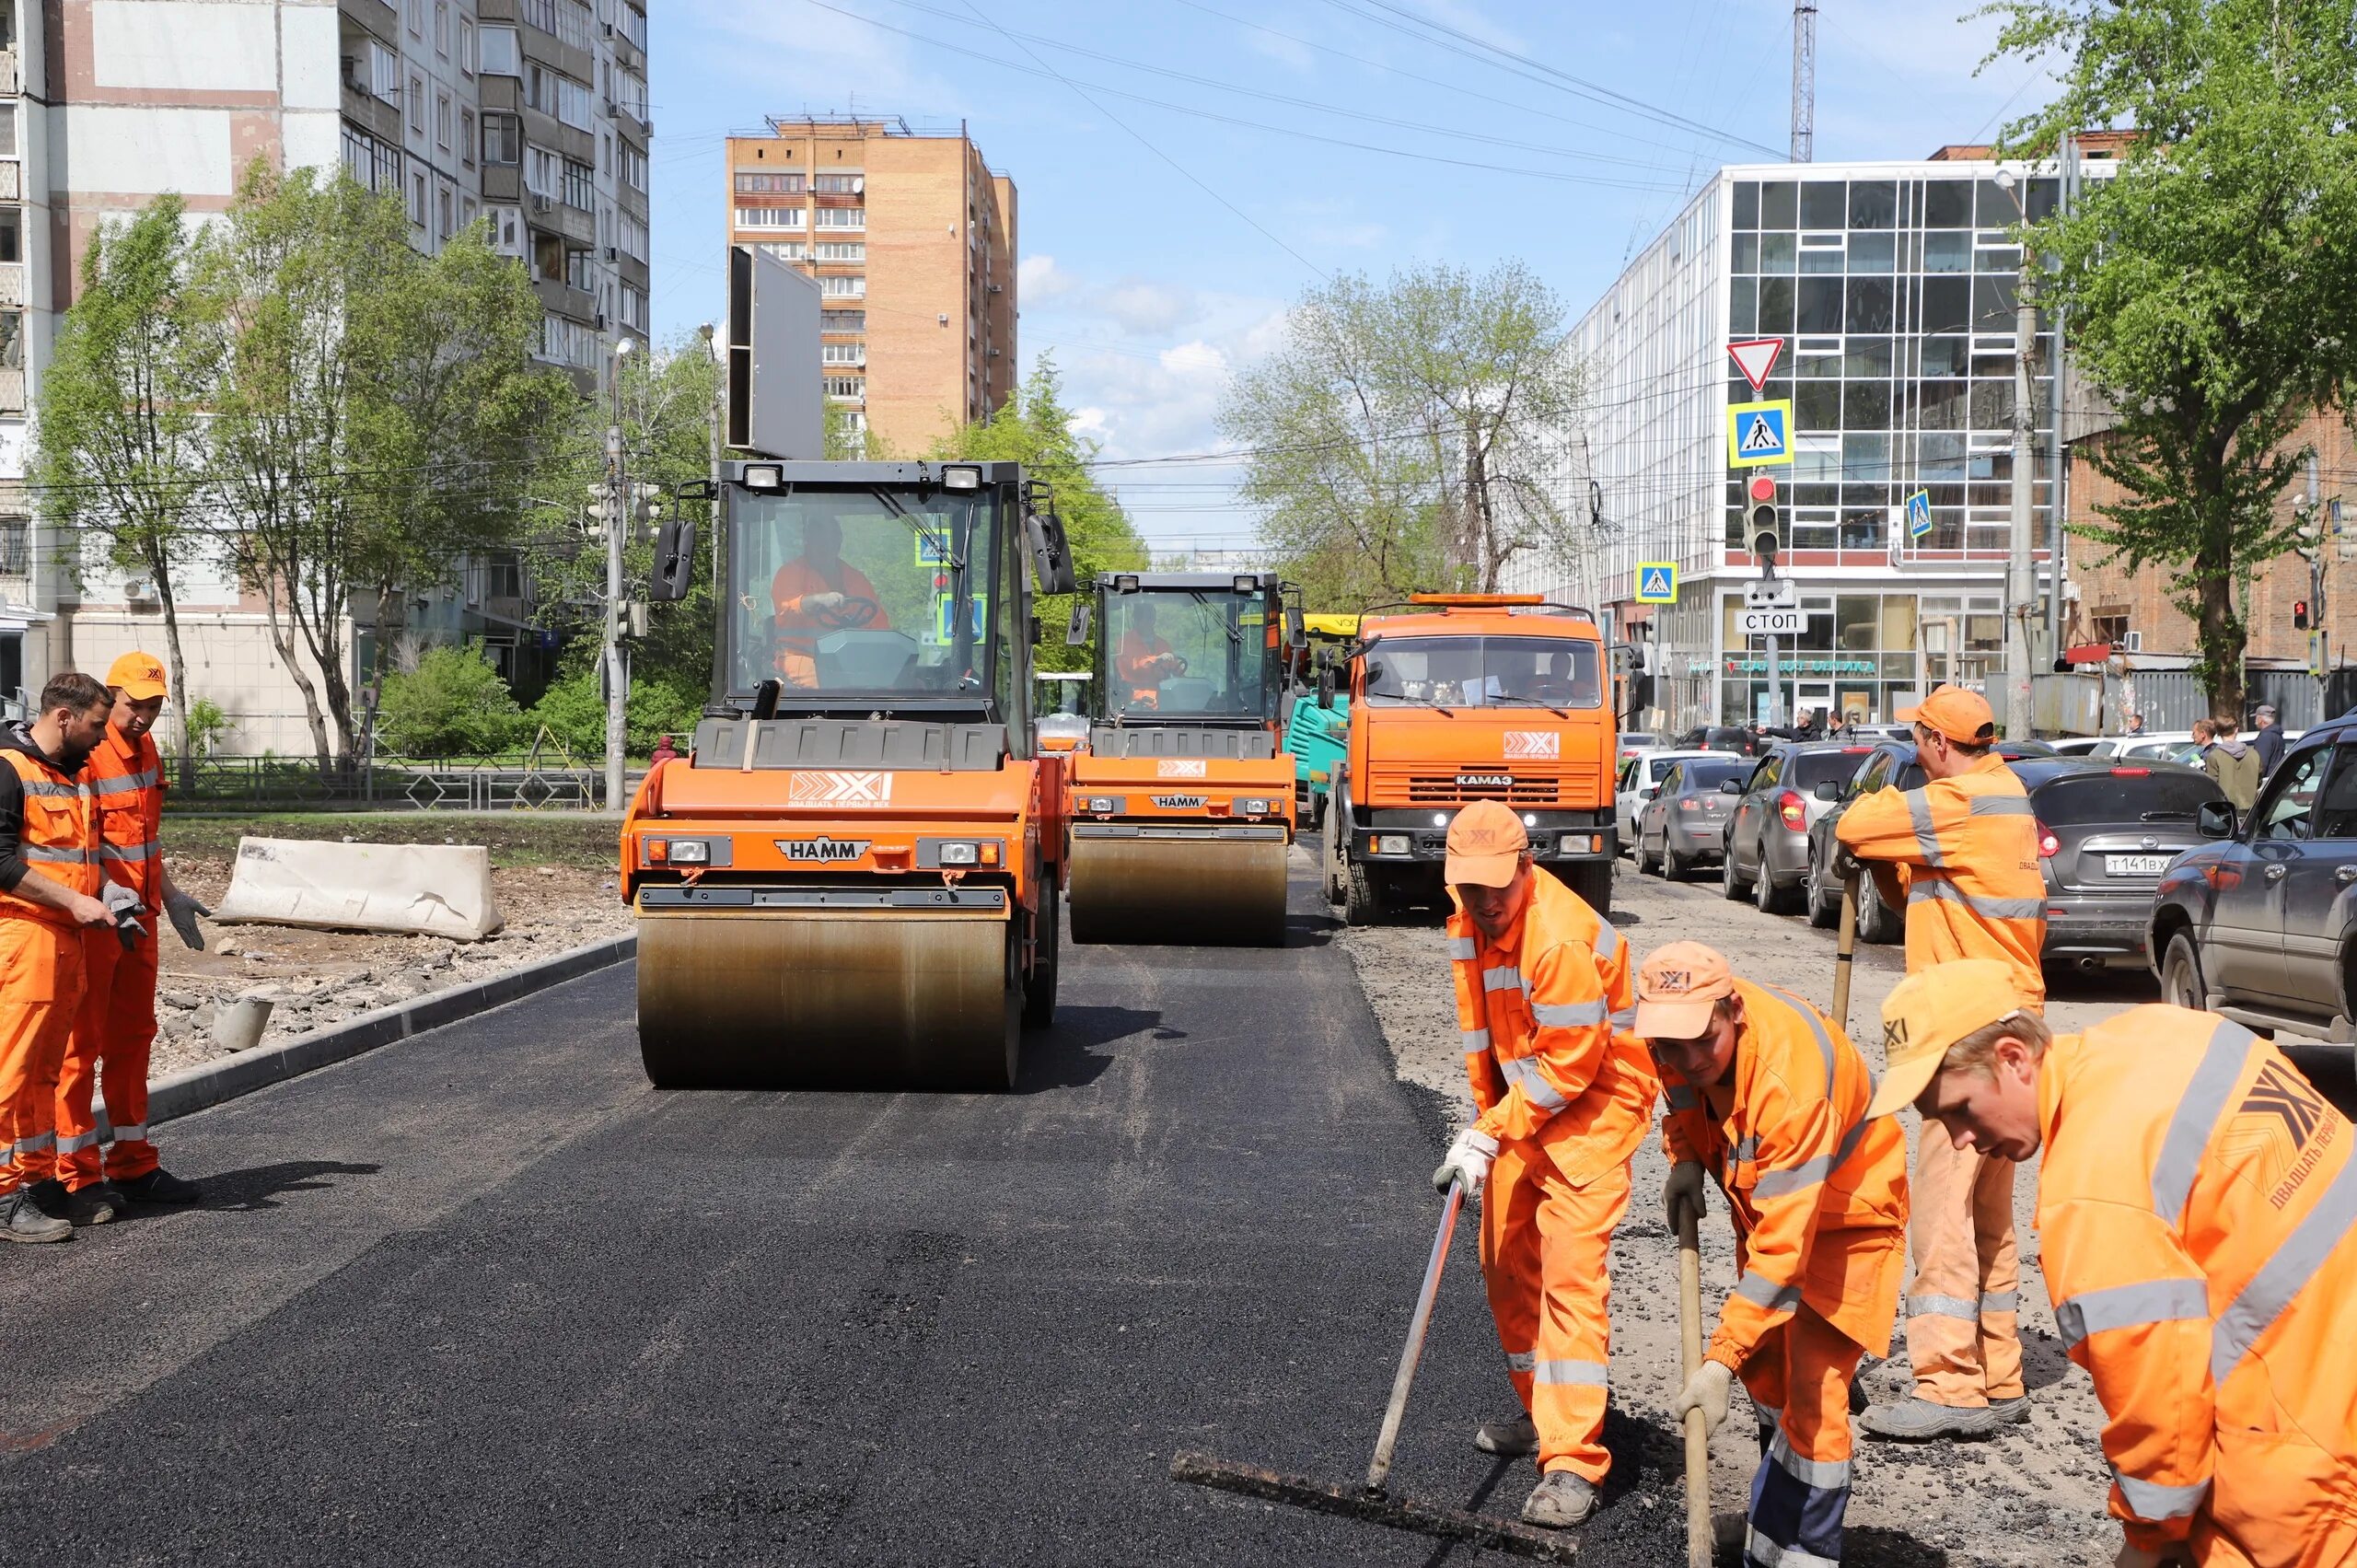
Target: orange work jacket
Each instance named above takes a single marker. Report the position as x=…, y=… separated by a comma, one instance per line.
x=127, y=778
x=59, y=836
x=1966, y=850
x=1546, y=1015
x=1129, y=663
x=1799, y=1166
x=799, y=629
x=2196, y=1209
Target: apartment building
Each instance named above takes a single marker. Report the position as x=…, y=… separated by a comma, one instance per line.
x=911, y=238
x=530, y=113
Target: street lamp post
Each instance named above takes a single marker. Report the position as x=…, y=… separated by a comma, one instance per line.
x=617, y=672
x=2021, y=588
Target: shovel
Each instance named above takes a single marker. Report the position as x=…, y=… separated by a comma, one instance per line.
x=1845, y=948
x=1699, y=1542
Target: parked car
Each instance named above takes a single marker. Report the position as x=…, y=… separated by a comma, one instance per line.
x=2261, y=923
x=1687, y=817
x=1767, y=837
x=1889, y=765
x=1635, y=742
x=2107, y=829
x=1720, y=738
x=1639, y=777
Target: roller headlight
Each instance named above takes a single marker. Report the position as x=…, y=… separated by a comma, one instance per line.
x=690, y=851
x=957, y=853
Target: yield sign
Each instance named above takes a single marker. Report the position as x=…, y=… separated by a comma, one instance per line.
x=1755, y=357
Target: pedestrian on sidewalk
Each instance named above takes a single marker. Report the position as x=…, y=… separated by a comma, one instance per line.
x=49, y=895
x=2235, y=766
x=1768, y=1098
x=2195, y=1212
x=114, y=1030
x=2267, y=740
x=664, y=752
x=1960, y=852
x=1564, y=1092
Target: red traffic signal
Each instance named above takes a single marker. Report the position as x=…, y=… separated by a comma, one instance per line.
x=1763, y=487
x=2300, y=614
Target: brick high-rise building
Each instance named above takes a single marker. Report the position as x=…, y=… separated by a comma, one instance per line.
x=912, y=238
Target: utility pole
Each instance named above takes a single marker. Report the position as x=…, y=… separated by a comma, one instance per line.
x=617, y=514
x=2055, y=501
x=1803, y=81
x=2021, y=588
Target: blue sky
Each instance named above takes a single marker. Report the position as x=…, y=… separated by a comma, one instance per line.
x=1160, y=241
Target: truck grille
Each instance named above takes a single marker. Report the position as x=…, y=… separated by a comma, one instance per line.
x=1519, y=785
x=1443, y=789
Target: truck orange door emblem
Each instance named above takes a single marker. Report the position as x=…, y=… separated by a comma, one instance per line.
x=1533, y=743
x=839, y=789
x=1181, y=768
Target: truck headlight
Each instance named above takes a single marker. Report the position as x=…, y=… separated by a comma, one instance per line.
x=1391, y=843
x=1254, y=808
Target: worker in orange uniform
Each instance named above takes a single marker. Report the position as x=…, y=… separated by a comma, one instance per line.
x=2196, y=1216
x=115, y=1029
x=49, y=894
x=1769, y=1099
x=1564, y=1092
x=1143, y=661
x=1963, y=847
x=818, y=592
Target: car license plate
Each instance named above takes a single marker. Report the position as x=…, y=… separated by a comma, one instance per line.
x=2136, y=865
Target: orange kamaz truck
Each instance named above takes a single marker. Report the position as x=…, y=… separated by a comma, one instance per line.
x=1463, y=697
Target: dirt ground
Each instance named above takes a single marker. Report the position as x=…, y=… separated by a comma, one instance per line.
x=554, y=876
x=2032, y=1495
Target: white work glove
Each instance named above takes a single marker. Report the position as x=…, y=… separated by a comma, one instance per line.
x=821, y=601
x=1706, y=1391
x=118, y=898
x=1467, y=1162
x=1684, y=1186
x=181, y=911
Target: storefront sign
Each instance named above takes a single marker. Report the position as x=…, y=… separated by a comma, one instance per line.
x=1790, y=664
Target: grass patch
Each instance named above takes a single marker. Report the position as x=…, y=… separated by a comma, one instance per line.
x=513, y=838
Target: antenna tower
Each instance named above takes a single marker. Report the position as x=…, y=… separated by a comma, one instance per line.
x=1803, y=81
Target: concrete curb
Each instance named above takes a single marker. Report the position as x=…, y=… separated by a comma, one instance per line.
x=197, y=1088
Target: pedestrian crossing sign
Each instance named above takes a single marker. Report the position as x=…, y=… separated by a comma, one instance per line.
x=1760, y=434
x=1919, y=514
x=1656, y=582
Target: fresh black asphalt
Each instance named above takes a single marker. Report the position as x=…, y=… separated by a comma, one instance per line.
x=484, y=1297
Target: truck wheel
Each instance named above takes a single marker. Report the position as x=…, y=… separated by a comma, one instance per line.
x=1040, y=986
x=1362, y=896
x=2181, y=983
x=1592, y=880
x=1337, y=854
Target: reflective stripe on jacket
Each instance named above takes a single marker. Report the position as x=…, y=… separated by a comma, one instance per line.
x=2196, y=1209
x=1798, y=1162
x=1968, y=850
x=1546, y=1018
x=60, y=837
x=127, y=779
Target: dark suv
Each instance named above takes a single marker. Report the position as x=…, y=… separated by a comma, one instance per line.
x=2260, y=924
x=1719, y=737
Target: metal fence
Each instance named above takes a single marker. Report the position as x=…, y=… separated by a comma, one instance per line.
x=522, y=783
x=2172, y=699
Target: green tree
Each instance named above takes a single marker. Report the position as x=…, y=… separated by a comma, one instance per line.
x=119, y=436
x=2208, y=285
x=453, y=704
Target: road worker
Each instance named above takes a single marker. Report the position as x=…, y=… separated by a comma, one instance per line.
x=115, y=1028
x=1564, y=1092
x=1143, y=661
x=818, y=592
x=1960, y=852
x=1770, y=1100
x=2196, y=1216
x=49, y=894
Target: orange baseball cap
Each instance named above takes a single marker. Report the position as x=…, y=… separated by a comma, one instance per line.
x=1485, y=842
x=138, y=676
x=1676, y=987
x=1956, y=712
x=1930, y=1011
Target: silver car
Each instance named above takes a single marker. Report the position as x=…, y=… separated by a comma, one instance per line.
x=1767, y=838
x=1686, y=819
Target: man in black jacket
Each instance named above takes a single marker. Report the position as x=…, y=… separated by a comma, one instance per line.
x=2267, y=740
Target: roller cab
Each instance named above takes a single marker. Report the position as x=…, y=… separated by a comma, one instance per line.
x=853, y=879
x=1182, y=801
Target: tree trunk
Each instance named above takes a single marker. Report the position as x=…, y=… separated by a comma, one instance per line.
x=2222, y=635
x=282, y=640
x=161, y=567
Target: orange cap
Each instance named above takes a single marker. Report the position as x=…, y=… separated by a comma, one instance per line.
x=1676, y=987
x=1485, y=842
x=138, y=676
x=1930, y=1011
x=1956, y=712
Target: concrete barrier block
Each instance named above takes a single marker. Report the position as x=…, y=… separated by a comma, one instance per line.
x=431, y=889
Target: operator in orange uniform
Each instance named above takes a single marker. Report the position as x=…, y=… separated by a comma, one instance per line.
x=116, y=1027
x=1564, y=1092
x=1964, y=848
x=2197, y=1215
x=818, y=592
x=1769, y=1099
x=1143, y=661
x=49, y=895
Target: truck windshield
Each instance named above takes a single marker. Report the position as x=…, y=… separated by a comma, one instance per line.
x=862, y=592
x=1190, y=653
x=1469, y=672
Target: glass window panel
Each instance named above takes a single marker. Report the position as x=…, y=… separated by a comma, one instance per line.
x=2043, y=195
x=1746, y=203
x=1874, y=203
x=1948, y=204
x=1992, y=302
x=1864, y=456
x=1868, y=356
x=1817, y=405
x=1995, y=206
x=1779, y=204
x=1820, y=305
x=1776, y=307
x=1991, y=465
x=1746, y=256
x=1996, y=259
x=1816, y=463
x=1992, y=365
x=1872, y=252
x=1857, y=619
x=1898, y=666
x=1898, y=620
x=1743, y=304
x=1776, y=252
x=1862, y=529
x=1939, y=455
x=1869, y=306
x=1947, y=253
x=1947, y=305
x=1825, y=365
x=1821, y=259
x=1984, y=633
x=1945, y=356
x=1866, y=405
x=1816, y=496
x=1825, y=203
x=1943, y=405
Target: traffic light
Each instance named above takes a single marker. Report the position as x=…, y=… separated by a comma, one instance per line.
x=2300, y=614
x=1759, y=530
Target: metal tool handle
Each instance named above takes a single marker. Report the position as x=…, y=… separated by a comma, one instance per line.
x=1689, y=1359
x=1845, y=947
x=1414, y=1351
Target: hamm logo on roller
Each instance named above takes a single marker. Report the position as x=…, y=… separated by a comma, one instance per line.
x=1178, y=802
x=1181, y=768
x=839, y=789
x=1533, y=743
x=822, y=849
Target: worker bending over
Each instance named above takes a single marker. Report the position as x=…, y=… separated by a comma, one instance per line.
x=48, y=887
x=2195, y=1211
x=115, y=1029
x=1769, y=1099
x=1564, y=1092
x=1962, y=852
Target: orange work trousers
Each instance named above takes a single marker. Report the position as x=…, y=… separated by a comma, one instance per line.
x=1546, y=1251
x=113, y=1033
x=41, y=987
x=1961, y=1305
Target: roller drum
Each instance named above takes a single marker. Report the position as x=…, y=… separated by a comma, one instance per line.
x=773, y=999
x=1178, y=892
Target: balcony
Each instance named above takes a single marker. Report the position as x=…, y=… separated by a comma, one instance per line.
x=12, y=391
x=11, y=186
x=12, y=285
x=502, y=182
x=376, y=16
x=372, y=113
x=561, y=298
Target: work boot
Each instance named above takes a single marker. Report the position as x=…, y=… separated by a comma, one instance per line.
x=1510, y=1438
x=158, y=1187
x=1560, y=1500
x=2011, y=1412
x=22, y=1219
x=1919, y=1420
x=98, y=1203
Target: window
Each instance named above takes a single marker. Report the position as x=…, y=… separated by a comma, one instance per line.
x=442, y=120
x=542, y=14
x=843, y=217
x=843, y=250
x=843, y=353
x=580, y=186
x=468, y=59
x=844, y=288
x=417, y=199
x=576, y=25
x=543, y=172
x=785, y=250
x=2336, y=815
x=843, y=320
x=2282, y=811
x=468, y=212
x=579, y=272
x=497, y=52
x=446, y=211
x=502, y=140
x=634, y=307
x=633, y=169
x=631, y=235
x=769, y=217
x=12, y=338
x=838, y=184
x=632, y=23
x=467, y=137
x=442, y=27
x=843, y=386
x=631, y=88
x=7, y=128
x=12, y=237
x=416, y=9
x=551, y=93
x=417, y=104
x=606, y=151
x=771, y=184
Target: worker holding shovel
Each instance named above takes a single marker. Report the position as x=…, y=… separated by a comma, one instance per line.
x=1770, y=1100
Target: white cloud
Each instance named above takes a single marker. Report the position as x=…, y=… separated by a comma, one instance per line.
x=1149, y=308
x=1038, y=278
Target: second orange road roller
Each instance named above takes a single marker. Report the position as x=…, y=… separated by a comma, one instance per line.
x=1181, y=800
